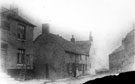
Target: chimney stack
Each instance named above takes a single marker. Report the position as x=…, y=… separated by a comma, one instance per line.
x=13, y=10
x=45, y=29
x=90, y=37
x=72, y=39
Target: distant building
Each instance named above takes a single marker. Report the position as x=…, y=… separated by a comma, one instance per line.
x=123, y=58
x=57, y=58
x=16, y=43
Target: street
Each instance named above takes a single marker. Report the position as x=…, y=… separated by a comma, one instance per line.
x=79, y=80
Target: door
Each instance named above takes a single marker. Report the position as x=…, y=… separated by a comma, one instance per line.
x=47, y=71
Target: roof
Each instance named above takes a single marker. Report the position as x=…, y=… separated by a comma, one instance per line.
x=119, y=49
x=12, y=14
x=127, y=39
x=84, y=45
x=19, y=18
x=65, y=44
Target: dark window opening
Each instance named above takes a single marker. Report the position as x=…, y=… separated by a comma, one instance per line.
x=28, y=59
x=4, y=49
x=4, y=46
x=21, y=32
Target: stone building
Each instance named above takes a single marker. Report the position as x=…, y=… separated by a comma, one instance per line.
x=55, y=57
x=16, y=43
x=123, y=58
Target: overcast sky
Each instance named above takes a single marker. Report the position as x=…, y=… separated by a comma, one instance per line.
x=108, y=20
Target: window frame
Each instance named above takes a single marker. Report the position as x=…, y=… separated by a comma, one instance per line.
x=21, y=31
x=20, y=56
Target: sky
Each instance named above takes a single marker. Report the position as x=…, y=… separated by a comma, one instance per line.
x=108, y=20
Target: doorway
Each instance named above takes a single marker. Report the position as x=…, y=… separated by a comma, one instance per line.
x=47, y=70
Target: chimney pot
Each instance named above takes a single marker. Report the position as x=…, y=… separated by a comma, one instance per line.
x=90, y=37
x=45, y=29
x=72, y=39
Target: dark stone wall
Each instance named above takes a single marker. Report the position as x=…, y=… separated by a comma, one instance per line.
x=124, y=59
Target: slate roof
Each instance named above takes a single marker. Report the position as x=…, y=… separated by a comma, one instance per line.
x=65, y=44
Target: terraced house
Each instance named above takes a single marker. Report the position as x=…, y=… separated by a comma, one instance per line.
x=16, y=43
x=56, y=57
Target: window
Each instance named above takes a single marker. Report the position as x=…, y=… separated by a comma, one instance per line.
x=21, y=32
x=85, y=57
x=28, y=59
x=80, y=56
x=69, y=68
x=79, y=67
x=4, y=48
x=71, y=56
x=5, y=25
x=20, y=56
x=85, y=66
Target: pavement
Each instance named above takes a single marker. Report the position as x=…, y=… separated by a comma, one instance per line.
x=77, y=80
x=73, y=80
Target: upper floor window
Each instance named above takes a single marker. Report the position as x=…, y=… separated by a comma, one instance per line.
x=4, y=48
x=20, y=56
x=80, y=57
x=83, y=57
x=5, y=25
x=86, y=58
x=21, y=32
x=71, y=56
